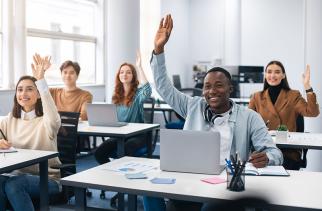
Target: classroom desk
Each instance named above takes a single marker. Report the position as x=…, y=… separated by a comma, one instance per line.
x=122, y=133
x=242, y=101
x=298, y=140
x=299, y=191
x=160, y=107
x=27, y=157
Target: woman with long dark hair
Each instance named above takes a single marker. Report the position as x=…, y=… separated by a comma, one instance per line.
x=278, y=104
x=33, y=124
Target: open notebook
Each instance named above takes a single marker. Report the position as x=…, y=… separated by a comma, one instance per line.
x=266, y=171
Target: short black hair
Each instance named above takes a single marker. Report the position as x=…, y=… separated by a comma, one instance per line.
x=220, y=69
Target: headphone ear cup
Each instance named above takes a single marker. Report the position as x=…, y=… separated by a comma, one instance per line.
x=219, y=120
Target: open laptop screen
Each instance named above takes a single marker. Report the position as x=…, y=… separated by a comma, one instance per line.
x=190, y=151
x=102, y=114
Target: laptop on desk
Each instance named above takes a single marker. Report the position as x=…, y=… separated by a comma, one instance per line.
x=190, y=151
x=102, y=114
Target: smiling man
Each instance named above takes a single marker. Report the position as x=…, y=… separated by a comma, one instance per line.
x=241, y=129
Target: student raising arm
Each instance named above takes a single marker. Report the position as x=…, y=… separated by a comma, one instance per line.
x=33, y=124
x=240, y=127
x=129, y=98
x=278, y=104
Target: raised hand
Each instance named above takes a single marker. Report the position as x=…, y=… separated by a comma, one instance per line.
x=138, y=61
x=139, y=69
x=163, y=34
x=47, y=63
x=306, y=77
x=37, y=67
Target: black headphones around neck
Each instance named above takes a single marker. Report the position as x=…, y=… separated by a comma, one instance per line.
x=210, y=117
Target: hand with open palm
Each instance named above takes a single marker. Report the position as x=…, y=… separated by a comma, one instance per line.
x=163, y=34
x=306, y=78
x=138, y=61
x=47, y=63
x=39, y=66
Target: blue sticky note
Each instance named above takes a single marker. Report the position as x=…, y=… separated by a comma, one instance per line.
x=163, y=180
x=136, y=176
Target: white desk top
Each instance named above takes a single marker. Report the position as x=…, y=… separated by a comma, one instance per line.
x=23, y=158
x=129, y=129
x=301, y=189
x=157, y=107
x=240, y=100
x=301, y=140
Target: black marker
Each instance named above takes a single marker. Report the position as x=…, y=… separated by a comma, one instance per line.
x=3, y=135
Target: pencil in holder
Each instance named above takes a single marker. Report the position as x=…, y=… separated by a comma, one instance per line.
x=235, y=180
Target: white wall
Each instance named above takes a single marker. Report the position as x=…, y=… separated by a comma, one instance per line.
x=123, y=32
x=274, y=29
x=177, y=49
x=206, y=30
x=313, y=54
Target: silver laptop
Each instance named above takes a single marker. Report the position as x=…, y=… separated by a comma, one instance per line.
x=190, y=151
x=102, y=114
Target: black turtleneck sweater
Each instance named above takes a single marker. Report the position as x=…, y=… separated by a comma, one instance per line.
x=274, y=91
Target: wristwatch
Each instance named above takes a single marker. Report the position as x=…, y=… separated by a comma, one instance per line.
x=309, y=90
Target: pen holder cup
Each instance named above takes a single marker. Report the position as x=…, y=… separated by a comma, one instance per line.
x=235, y=182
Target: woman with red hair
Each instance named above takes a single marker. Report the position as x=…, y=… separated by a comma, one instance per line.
x=131, y=89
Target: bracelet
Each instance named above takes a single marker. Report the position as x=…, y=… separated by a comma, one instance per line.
x=309, y=90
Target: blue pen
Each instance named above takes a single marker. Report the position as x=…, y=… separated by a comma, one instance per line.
x=228, y=164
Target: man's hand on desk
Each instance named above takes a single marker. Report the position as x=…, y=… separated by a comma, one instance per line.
x=258, y=159
x=4, y=144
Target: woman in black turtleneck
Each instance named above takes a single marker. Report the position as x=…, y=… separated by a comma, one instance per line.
x=279, y=104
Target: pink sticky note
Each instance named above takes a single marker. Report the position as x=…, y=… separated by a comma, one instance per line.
x=214, y=180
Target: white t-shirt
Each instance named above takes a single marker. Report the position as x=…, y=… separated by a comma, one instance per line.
x=222, y=126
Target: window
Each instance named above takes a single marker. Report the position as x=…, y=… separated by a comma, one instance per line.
x=65, y=30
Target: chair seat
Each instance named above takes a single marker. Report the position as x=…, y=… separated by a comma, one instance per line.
x=175, y=125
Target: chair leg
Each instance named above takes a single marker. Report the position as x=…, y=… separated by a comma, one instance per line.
x=102, y=195
x=89, y=193
x=113, y=202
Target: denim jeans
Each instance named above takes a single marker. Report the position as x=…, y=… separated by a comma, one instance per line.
x=153, y=204
x=19, y=190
